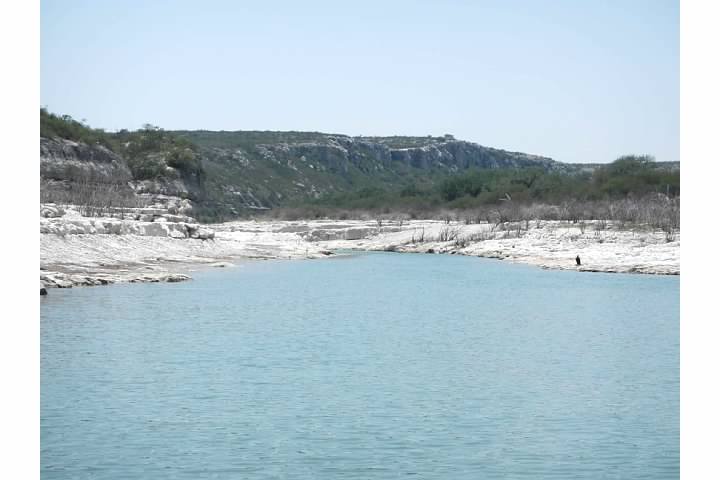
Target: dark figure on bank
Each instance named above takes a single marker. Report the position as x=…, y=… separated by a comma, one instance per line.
x=577, y=259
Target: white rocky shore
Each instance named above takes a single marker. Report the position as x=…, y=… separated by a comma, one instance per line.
x=152, y=244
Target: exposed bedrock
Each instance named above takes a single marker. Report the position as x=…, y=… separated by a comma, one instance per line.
x=67, y=160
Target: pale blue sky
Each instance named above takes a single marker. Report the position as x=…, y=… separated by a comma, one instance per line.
x=579, y=81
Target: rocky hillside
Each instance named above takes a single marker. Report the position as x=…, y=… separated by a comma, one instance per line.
x=266, y=169
x=100, y=181
x=223, y=174
x=65, y=160
x=226, y=173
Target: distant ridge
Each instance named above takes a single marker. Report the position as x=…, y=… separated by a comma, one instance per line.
x=226, y=172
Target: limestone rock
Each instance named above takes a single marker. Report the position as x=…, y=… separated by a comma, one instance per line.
x=320, y=235
x=196, y=231
x=66, y=160
x=177, y=230
x=204, y=234
x=152, y=229
x=163, y=277
x=175, y=277
x=50, y=210
x=174, y=218
x=56, y=280
x=357, y=233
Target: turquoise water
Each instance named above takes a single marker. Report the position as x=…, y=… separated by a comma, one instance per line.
x=370, y=366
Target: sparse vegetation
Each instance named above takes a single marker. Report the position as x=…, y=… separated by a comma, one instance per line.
x=448, y=234
x=64, y=126
x=148, y=151
x=631, y=190
x=151, y=149
x=92, y=198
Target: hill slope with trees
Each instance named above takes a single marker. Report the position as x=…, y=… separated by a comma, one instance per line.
x=230, y=174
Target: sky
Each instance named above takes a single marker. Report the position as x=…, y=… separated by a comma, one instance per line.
x=578, y=81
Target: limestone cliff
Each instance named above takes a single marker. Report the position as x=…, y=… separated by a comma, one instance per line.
x=81, y=174
x=266, y=169
x=65, y=160
x=258, y=170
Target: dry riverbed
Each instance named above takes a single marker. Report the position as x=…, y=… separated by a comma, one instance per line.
x=150, y=247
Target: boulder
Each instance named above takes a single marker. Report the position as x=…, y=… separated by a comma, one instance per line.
x=184, y=206
x=99, y=228
x=164, y=277
x=321, y=235
x=152, y=211
x=113, y=227
x=81, y=227
x=177, y=230
x=50, y=210
x=153, y=229
x=47, y=226
x=357, y=233
x=56, y=280
x=204, y=234
x=131, y=228
x=196, y=231
x=174, y=218
x=175, y=277
x=75, y=227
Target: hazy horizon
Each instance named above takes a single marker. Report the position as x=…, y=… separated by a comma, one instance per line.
x=577, y=83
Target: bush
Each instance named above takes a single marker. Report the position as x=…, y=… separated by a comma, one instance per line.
x=56, y=126
x=184, y=160
x=149, y=149
x=146, y=167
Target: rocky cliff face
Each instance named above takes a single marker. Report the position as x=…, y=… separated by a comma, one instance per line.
x=65, y=160
x=460, y=155
x=338, y=154
x=267, y=169
x=257, y=170
x=77, y=173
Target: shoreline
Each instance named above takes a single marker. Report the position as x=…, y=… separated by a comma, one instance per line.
x=86, y=251
x=554, y=245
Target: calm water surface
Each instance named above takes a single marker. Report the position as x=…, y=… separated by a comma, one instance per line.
x=372, y=366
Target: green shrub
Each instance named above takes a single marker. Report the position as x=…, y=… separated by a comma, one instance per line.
x=66, y=127
x=146, y=167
